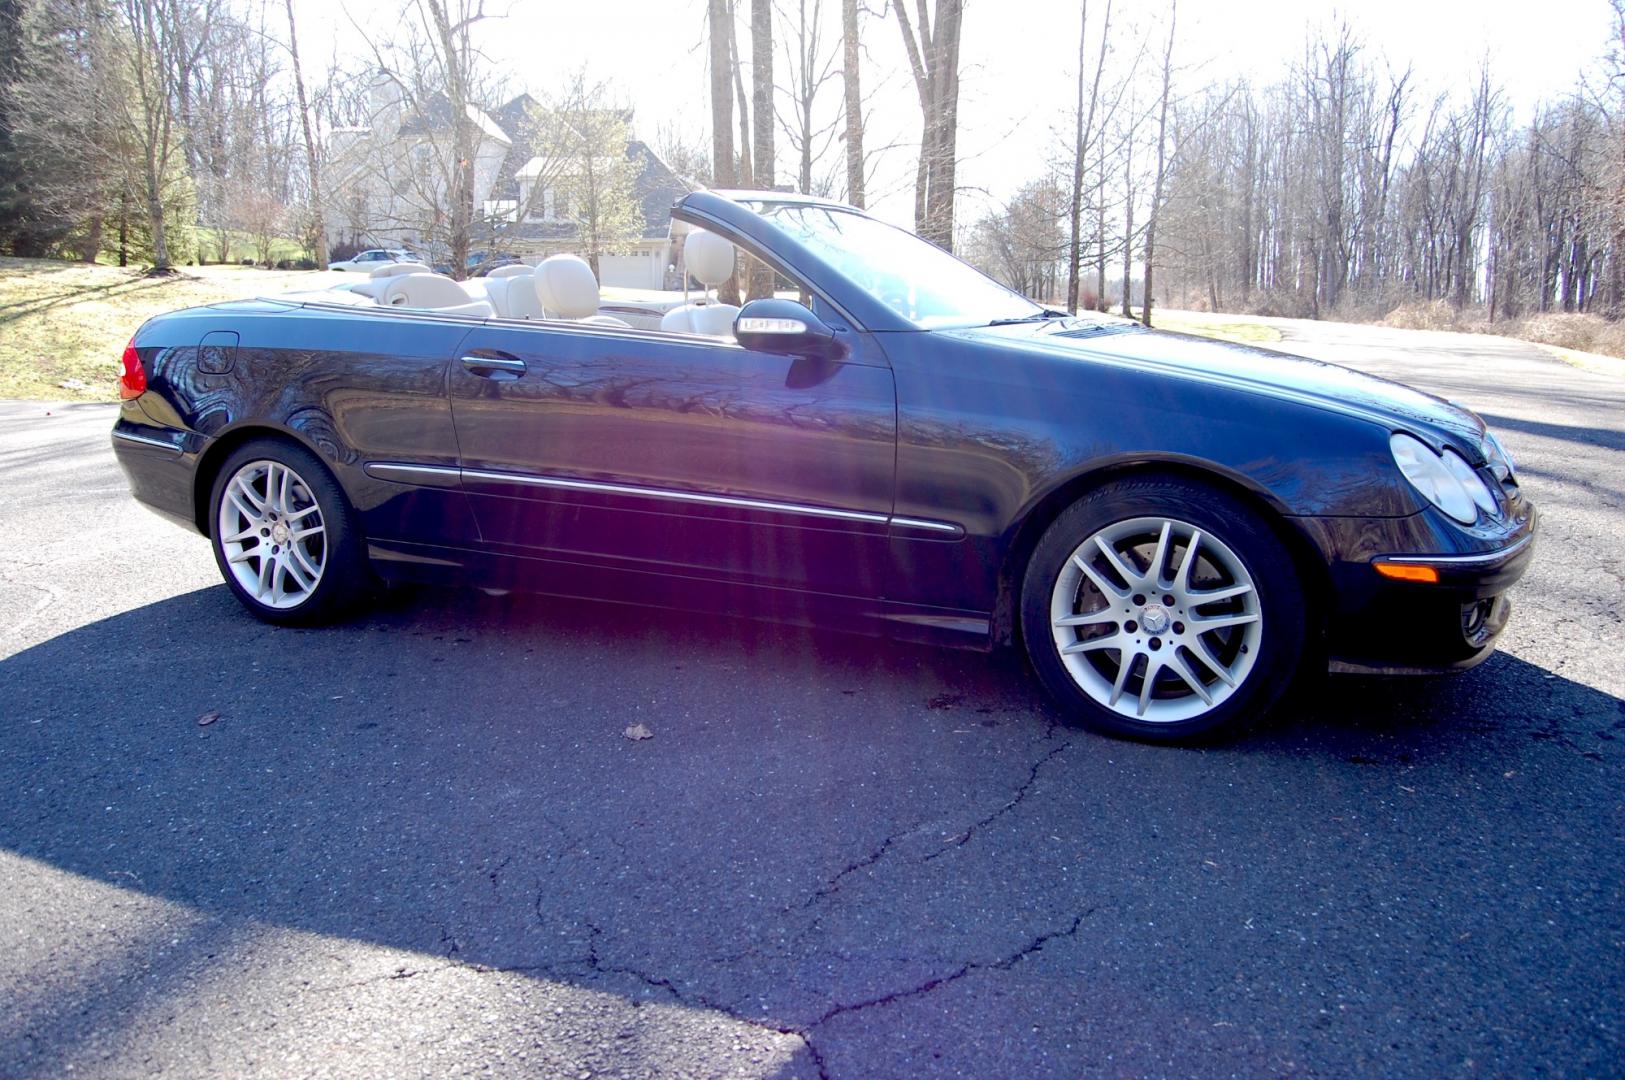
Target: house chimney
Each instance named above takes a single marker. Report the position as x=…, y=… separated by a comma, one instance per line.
x=384, y=104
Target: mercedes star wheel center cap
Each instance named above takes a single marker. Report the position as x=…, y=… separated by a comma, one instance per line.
x=1154, y=618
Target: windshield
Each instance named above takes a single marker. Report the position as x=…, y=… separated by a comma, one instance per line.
x=918, y=280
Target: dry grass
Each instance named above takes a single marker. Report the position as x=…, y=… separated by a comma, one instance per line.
x=67, y=323
x=1582, y=333
x=1224, y=327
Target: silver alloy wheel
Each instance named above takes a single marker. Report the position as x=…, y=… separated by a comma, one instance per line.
x=1155, y=619
x=271, y=533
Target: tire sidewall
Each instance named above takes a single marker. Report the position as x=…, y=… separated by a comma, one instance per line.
x=344, y=573
x=1227, y=519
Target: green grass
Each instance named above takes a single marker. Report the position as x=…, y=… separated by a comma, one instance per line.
x=1224, y=327
x=67, y=322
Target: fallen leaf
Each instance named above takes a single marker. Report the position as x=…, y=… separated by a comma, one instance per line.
x=208, y=718
x=638, y=732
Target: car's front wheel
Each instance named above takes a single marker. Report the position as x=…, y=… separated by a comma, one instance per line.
x=1162, y=609
x=283, y=534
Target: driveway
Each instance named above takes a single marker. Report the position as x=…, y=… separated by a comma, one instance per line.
x=419, y=844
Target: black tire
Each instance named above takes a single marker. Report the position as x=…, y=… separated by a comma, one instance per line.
x=1275, y=648
x=344, y=574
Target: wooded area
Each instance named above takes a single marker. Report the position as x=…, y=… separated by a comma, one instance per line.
x=173, y=131
x=1338, y=190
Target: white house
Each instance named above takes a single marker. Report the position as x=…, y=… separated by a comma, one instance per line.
x=386, y=181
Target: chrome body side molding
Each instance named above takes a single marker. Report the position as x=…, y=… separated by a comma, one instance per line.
x=446, y=476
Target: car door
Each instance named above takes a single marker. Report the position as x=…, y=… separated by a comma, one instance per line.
x=658, y=452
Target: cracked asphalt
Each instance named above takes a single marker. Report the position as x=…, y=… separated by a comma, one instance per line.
x=417, y=844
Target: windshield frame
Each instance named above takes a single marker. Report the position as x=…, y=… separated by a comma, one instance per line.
x=765, y=209
x=733, y=214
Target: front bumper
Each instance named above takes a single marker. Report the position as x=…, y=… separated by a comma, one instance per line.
x=1386, y=626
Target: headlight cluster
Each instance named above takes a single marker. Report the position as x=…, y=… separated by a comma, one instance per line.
x=1445, y=480
x=1500, y=458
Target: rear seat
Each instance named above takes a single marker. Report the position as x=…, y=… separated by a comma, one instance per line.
x=432, y=292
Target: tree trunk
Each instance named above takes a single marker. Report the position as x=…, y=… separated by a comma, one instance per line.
x=934, y=60
x=722, y=95
x=460, y=196
x=311, y=161
x=1162, y=146
x=1128, y=224
x=761, y=64
x=854, y=104
x=746, y=161
x=1100, y=225
x=1075, y=207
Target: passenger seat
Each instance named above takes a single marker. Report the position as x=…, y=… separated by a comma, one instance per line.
x=710, y=259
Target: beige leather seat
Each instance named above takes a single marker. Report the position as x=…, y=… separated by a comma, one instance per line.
x=710, y=259
x=432, y=292
x=567, y=290
x=512, y=291
x=378, y=278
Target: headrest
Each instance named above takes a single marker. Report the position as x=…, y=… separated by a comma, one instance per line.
x=566, y=287
x=396, y=269
x=512, y=270
x=710, y=258
x=423, y=291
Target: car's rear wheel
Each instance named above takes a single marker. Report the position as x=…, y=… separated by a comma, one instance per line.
x=284, y=534
x=1162, y=609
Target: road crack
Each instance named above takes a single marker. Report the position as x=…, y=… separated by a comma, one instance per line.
x=961, y=839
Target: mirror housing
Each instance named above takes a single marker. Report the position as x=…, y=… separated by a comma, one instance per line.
x=786, y=328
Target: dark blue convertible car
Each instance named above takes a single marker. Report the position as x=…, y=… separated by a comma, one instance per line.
x=891, y=442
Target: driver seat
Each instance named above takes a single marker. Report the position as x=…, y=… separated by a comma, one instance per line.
x=710, y=259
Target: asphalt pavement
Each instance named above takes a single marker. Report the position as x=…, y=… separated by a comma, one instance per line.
x=419, y=844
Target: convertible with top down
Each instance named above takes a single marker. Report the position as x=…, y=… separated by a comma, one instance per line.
x=888, y=441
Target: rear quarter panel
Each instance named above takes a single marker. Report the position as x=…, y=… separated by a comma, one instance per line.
x=351, y=386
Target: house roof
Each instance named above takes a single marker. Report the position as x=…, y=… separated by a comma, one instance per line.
x=435, y=116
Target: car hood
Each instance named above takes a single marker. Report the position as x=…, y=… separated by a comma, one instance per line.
x=1248, y=368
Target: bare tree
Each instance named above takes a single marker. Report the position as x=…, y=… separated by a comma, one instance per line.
x=597, y=182
x=429, y=157
x=312, y=160
x=810, y=67
x=153, y=42
x=933, y=57
x=1084, y=136
x=1160, y=175
x=719, y=33
x=851, y=78
x=759, y=274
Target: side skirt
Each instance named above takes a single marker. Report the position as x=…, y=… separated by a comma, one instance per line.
x=430, y=564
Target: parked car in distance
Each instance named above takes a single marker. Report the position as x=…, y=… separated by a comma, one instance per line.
x=1171, y=527
x=495, y=262
x=367, y=261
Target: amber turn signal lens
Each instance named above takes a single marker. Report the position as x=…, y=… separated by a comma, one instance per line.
x=1408, y=572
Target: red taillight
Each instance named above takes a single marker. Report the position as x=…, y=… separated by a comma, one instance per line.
x=133, y=383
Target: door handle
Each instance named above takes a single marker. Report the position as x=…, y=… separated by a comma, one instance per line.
x=495, y=367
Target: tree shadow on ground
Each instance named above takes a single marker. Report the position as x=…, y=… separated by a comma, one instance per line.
x=822, y=829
